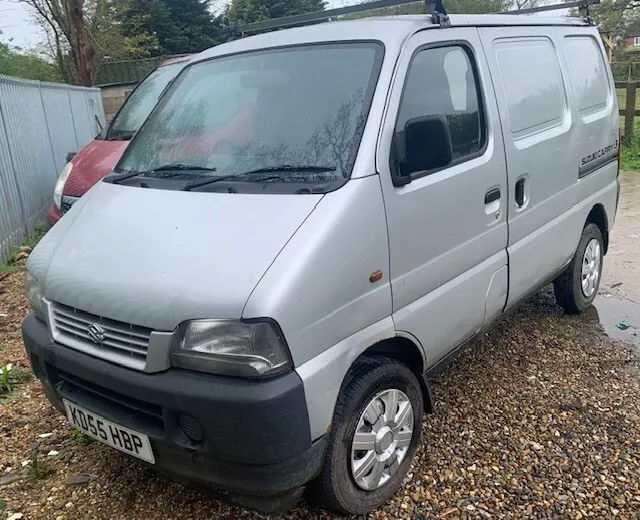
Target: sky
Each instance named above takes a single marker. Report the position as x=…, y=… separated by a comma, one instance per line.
x=16, y=24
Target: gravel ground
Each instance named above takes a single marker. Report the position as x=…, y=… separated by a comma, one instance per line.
x=540, y=417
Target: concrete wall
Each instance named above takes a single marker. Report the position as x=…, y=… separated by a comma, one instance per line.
x=113, y=97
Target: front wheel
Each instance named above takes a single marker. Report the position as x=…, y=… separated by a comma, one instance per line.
x=374, y=436
x=577, y=287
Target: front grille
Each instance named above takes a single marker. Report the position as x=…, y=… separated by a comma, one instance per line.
x=67, y=202
x=77, y=329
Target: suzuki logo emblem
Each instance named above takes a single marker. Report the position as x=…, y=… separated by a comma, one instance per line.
x=96, y=333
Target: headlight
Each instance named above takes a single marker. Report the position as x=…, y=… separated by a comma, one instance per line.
x=34, y=296
x=230, y=347
x=62, y=179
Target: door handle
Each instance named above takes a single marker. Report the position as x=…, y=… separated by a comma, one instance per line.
x=492, y=196
x=520, y=194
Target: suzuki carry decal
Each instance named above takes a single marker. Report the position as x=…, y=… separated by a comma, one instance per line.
x=598, y=158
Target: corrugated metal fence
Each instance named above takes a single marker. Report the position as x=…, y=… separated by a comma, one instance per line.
x=40, y=123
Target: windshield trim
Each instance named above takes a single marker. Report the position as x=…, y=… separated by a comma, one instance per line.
x=377, y=45
x=105, y=133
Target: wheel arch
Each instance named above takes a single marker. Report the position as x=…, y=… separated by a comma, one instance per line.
x=409, y=353
x=598, y=216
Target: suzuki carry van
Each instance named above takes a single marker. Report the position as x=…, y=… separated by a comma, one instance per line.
x=311, y=221
x=98, y=158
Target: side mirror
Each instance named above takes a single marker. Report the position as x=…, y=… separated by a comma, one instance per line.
x=427, y=146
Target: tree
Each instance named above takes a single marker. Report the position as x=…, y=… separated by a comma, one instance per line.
x=15, y=62
x=64, y=24
x=280, y=8
x=248, y=11
x=165, y=27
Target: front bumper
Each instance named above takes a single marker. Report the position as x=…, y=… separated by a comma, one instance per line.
x=256, y=437
x=53, y=215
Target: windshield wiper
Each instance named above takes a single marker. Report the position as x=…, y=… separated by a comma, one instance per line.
x=269, y=169
x=115, y=179
x=122, y=137
x=181, y=167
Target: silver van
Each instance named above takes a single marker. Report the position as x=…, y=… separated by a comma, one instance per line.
x=308, y=224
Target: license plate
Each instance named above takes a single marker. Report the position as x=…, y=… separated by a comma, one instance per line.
x=119, y=437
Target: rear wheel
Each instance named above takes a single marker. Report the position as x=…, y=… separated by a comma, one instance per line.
x=374, y=435
x=577, y=287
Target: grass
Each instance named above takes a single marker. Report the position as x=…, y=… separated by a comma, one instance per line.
x=80, y=438
x=38, y=232
x=37, y=468
x=630, y=155
x=9, y=268
x=622, y=98
x=12, y=376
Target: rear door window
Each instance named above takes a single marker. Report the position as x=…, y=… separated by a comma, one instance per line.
x=587, y=73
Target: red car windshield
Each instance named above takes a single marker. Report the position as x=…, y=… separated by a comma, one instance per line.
x=141, y=101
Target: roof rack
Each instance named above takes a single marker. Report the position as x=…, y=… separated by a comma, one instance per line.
x=316, y=17
x=554, y=7
x=433, y=7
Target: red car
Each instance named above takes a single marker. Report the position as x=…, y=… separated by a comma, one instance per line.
x=98, y=158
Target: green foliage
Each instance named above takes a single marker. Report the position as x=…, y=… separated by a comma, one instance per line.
x=37, y=468
x=3, y=505
x=9, y=268
x=80, y=438
x=165, y=27
x=11, y=376
x=248, y=11
x=630, y=155
x=39, y=231
x=15, y=62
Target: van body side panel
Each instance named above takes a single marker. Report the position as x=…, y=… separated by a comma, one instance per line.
x=318, y=288
x=541, y=143
x=445, y=242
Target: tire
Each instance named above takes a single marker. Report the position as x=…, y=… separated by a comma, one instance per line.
x=568, y=287
x=366, y=385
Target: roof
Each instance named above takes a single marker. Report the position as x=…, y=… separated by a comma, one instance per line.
x=176, y=59
x=391, y=30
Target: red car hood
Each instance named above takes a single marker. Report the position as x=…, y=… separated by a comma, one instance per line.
x=91, y=164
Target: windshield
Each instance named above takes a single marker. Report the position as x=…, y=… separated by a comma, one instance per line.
x=142, y=100
x=285, y=115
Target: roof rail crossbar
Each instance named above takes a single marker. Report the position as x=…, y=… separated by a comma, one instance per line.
x=318, y=16
x=438, y=13
x=554, y=7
